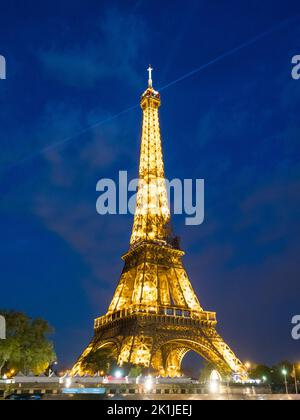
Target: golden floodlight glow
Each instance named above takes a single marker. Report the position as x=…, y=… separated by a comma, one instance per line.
x=155, y=317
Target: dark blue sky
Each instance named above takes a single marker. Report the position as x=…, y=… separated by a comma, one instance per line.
x=71, y=64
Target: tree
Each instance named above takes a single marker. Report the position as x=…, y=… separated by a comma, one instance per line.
x=135, y=371
x=26, y=347
x=277, y=372
x=7, y=348
x=260, y=372
x=273, y=375
x=101, y=360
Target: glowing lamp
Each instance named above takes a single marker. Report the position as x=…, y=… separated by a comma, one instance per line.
x=118, y=374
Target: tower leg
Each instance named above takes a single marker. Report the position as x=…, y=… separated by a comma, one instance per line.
x=160, y=343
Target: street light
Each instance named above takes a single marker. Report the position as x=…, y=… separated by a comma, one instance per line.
x=284, y=372
x=68, y=382
x=248, y=365
x=148, y=384
x=295, y=376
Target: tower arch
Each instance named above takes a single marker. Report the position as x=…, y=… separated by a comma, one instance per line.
x=167, y=360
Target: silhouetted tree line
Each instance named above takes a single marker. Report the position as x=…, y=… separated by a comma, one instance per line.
x=275, y=375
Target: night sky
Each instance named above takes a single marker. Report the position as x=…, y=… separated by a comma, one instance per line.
x=235, y=123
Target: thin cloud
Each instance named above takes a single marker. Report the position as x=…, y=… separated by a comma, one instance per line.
x=113, y=54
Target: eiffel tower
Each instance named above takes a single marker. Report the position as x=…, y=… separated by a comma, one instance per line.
x=155, y=317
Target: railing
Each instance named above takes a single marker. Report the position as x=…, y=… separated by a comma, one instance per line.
x=167, y=311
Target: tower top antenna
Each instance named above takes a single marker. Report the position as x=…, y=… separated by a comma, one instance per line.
x=150, y=70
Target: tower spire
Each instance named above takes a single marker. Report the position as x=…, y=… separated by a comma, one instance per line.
x=150, y=70
x=152, y=215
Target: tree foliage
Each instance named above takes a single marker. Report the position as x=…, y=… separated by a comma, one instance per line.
x=273, y=375
x=27, y=347
x=260, y=372
x=135, y=371
x=102, y=360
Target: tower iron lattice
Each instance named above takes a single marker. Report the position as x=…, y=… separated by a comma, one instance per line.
x=155, y=317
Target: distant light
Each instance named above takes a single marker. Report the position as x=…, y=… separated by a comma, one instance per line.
x=264, y=378
x=68, y=382
x=118, y=374
x=214, y=387
x=284, y=372
x=248, y=365
x=148, y=384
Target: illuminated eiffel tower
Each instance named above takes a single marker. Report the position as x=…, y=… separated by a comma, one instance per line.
x=155, y=317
